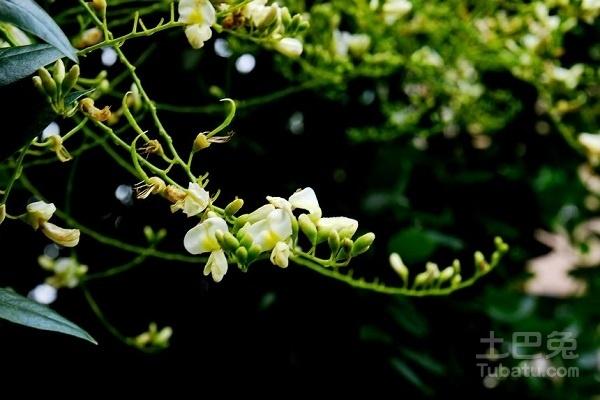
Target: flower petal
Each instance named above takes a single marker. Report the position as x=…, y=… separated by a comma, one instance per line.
x=306, y=199
x=201, y=238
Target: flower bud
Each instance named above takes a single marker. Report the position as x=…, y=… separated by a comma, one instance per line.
x=362, y=244
x=87, y=38
x=399, y=266
x=70, y=79
x=39, y=213
x=37, y=82
x=242, y=255
x=456, y=279
x=88, y=108
x=308, y=228
x=61, y=236
x=59, y=72
x=289, y=47
x=2, y=213
x=347, y=245
x=233, y=207
x=456, y=266
x=99, y=5
x=500, y=245
x=230, y=242
x=48, y=82
x=446, y=274
x=422, y=279
x=334, y=242
x=134, y=99
x=433, y=270
x=253, y=252
x=480, y=262
x=200, y=143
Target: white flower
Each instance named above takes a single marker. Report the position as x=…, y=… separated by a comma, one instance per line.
x=260, y=213
x=289, y=47
x=395, y=9
x=277, y=227
x=199, y=15
x=567, y=76
x=259, y=14
x=195, y=201
x=67, y=271
x=61, y=236
x=39, y=213
x=281, y=254
x=304, y=199
x=201, y=238
x=345, y=227
x=216, y=265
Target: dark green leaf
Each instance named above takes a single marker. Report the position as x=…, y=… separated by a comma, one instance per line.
x=73, y=97
x=22, y=61
x=21, y=310
x=29, y=16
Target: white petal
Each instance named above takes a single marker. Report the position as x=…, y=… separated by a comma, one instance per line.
x=40, y=212
x=591, y=142
x=61, y=236
x=280, y=223
x=196, y=200
x=260, y=213
x=279, y=202
x=197, y=34
x=201, y=238
x=219, y=265
x=345, y=227
x=306, y=199
x=289, y=47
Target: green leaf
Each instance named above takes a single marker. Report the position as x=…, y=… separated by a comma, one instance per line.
x=29, y=16
x=73, y=97
x=21, y=310
x=22, y=61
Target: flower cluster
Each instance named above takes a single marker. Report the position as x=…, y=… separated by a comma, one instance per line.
x=268, y=24
x=38, y=215
x=271, y=231
x=67, y=271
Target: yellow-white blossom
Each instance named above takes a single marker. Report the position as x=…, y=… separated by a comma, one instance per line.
x=395, y=9
x=259, y=14
x=61, y=236
x=266, y=233
x=216, y=265
x=67, y=271
x=195, y=201
x=344, y=226
x=39, y=213
x=199, y=16
x=280, y=254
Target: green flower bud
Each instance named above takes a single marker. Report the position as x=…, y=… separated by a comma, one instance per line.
x=456, y=266
x=234, y=207
x=334, y=242
x=2, y=213
x=456, y=279
x=253, y=252
x=422, y=279
x=70, y=79
x=433, y=270
x=230, y=242
x=500, y=245
x=308, y=228
x=446, y=274
x=47, y=82
x=347, y=245
x=246, y=240
x=59, y=72
x=362, y=244
x=480, y=262
x=286, y=17
x=242, y=255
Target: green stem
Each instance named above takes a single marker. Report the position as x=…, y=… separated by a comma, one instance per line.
x=17, y=174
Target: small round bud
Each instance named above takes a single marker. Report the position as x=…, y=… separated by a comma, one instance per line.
x=99, y=5
x=233, y=207
x=362, y=244
x=456, y=279
x=433, y=270
x=289, y=47
x=149, y=233
x=456, y=266
x=347, y=245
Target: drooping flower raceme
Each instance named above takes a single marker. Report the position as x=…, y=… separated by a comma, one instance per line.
x=199, y=16
x=271, y=231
